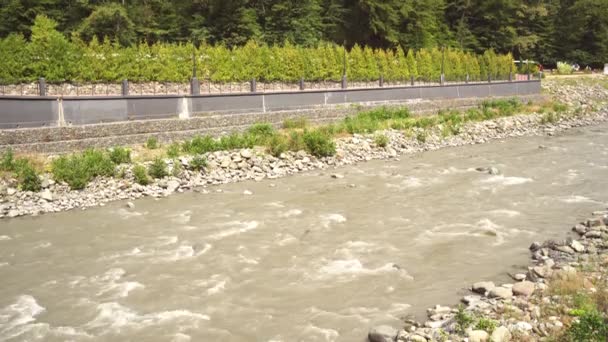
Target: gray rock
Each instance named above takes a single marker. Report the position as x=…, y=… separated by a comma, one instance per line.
x=519, y=276
x=577, y=246
x=382, y=333
x=11, y=191
x=416, y=338
x=524, y=288
x=593, y=234
x=483, y=286
x=493, y=171
x=172, y=185
x=565, y=249
x=501, y=292
x=130, y=205
x=580, y=229
x=478, y=336
x=337, y=176
x=247, y=154
x=501, y=334
x=13, y=213
x=46, y=195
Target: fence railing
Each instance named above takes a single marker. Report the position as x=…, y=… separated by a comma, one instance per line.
x=200, y=87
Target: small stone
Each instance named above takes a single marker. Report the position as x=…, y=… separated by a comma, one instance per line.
x=172, y=185
x=478, y=336
x=11, y=191
x=493, y=171
x=13, y=213
x=501, y=292
x=577, y=246
x=130, y=205
x=247, y=154
x=501, y=334
x=417, y=338
x=337, y=176
x=535, y=246
x=483, y=286
x=580, y=229
x=523, y=326
x=382, y=333
x=524, y=288
x=519, y=276
x=595, y=222
x=593, y=234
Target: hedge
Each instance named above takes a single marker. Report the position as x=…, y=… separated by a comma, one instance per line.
x=49, y=54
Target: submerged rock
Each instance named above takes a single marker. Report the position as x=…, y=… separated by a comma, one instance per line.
x=382, y=333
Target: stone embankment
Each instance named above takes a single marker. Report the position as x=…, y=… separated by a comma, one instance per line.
x=535, y=307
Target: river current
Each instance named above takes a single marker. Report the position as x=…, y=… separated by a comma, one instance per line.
x=302, y=258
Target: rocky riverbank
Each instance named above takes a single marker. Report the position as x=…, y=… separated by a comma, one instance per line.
x=255, y=164
x=564, y=285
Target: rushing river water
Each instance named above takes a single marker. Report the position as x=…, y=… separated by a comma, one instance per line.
x=310, y=259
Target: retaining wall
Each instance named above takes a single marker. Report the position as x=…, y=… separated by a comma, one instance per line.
x=25, y=112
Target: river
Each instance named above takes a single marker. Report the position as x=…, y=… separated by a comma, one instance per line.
x=302, y=258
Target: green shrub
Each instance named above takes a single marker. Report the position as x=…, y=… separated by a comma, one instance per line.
x=591, y=326
x=141, y=175
x=7, y=161
x=200, y=145
x=295, y=123
x=198, y=163
x=152, y=143
x=550, y=118
x=463, y=320
x=236, y=141
x=381, y=140
x=560, y=107
x=78, y=169
x=296, y=141
x=564, y=68
x=120, y=155
x=28, y=178
x=487, y=325
x=173, y=150
x=277, y=144
x=319, y=144
x=421, y=136
x=158, y=168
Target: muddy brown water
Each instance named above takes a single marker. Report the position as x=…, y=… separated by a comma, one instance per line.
x=310, y=259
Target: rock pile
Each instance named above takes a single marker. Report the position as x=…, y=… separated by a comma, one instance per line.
x=521, y=310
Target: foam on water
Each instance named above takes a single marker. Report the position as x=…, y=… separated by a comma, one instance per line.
x=179, y=337
x=504, y=180
x=577, y=199
x=182, y=218
x=113, y=316
x=15, y=318
x=291, y=212
x=237, y=227
x=330, y=219
x=215, y=284
x=167, y=240
x=126, y=214
x=353, y=267
x=110, y=284
x=5, y=238
x=314, y=333
x=505, y=212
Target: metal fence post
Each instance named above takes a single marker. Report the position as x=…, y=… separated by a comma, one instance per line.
x=195, y=86
x=125, y=88
x=381, y=81
x=253, y=85
x=344, y=82
x=442, y=79
x=489, y=78
x=466, y=80
x=41, y=86
x=412, y=80
x=302, y=83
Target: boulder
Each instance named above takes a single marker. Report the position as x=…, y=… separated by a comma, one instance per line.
x=501, y=292
x=501, y=334
x=46, y=195
x=130, y=205
x=564, y=249
x=525, y=288
x=478, y=336
x=417, y=338
x=172, y=185
x=483, y=286
x=382, y=333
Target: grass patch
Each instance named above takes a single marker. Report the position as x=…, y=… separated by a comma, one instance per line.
x=152, y=143
x=295, y=123
x=198, y=163
x=23, y=169
x=381, y=140
x=174, y=150
x=319, y=144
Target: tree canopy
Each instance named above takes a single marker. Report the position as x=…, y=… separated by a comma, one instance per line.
x=545, y=30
